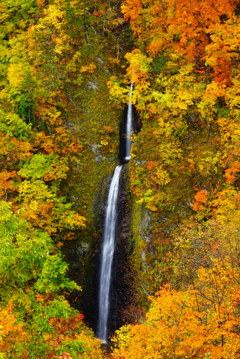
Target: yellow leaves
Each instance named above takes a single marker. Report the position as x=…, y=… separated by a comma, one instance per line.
x=114, y=60
x=58, y=171
x=190, y=323
x=44, y=209
x=7, y=319
x=78, y=4
x=36, y=190
x=163, y=176
x=60, y=45
x=116, y=90
x=72, y=65
x=213, y=91
x=180, y=90
x=75, y=220
x=54, y=16
x=88, y=68
x=103, y=143
x=91, y=346
x=15, y=74
x=3, y=13
x=226, y=203
x=138, y=67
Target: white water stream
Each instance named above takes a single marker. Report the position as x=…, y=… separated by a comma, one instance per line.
x=107, y=255
x=109, y=235
x=129, y=126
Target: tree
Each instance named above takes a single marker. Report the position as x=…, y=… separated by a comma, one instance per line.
x=195, y=323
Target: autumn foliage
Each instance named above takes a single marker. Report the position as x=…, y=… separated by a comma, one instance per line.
x=64, y=79
x=195, y=323
x=185, y=177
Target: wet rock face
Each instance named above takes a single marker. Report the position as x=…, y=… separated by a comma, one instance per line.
x=83, y=256
x=90, y=293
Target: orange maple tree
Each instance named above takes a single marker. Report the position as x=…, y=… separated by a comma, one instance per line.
x=196, y=323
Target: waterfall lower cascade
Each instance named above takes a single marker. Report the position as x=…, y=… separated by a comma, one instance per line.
x=109, y=234
x=107, y=254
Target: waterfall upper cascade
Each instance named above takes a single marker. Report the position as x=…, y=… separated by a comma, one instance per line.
x=109, y=235
x=129, y=126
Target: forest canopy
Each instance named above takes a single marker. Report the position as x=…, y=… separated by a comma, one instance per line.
x=65, y=71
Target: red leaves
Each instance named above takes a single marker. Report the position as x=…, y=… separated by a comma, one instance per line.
x=80, y=317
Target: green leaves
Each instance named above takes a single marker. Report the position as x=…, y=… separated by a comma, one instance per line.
x=29, y=256
x=13, y=125
x=53, y=276
x=37, y=166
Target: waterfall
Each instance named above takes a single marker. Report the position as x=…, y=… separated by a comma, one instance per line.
x=107, y=255
x=109, y=234
x=129, y=126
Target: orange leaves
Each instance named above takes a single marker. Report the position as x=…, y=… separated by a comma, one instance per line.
x=67, y=144
x=10, y=331
x=188, y=324
x=65, y=355
x=132, y=11
x=151, y=164
x=40, y=3
x=66, y=332
x=60, y=142
x=223, y=49
x=45, y=142
x=201, y=196
x=6, y=182
x=109, y=129
x=102, y=9
x=181, y=25
x=200, y=199
x=14, y=149
x=7, y=320
x=231, y=172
